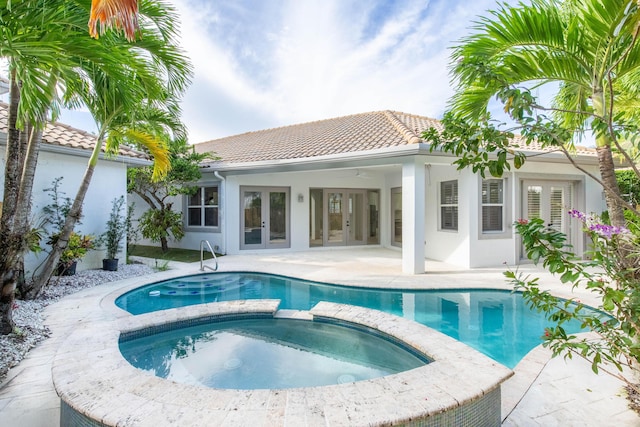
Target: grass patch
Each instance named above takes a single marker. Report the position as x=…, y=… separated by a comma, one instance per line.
x=173, y=254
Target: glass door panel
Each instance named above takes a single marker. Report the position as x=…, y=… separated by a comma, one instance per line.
x=373, y=237
x=253, y=218
x=356, y=219
x=277, y=217
x=534, y=197
x=316, y=217
x=335, y=218
x=396, y=216
x=557, y=209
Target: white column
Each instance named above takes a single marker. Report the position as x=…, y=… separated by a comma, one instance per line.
x=413, y=215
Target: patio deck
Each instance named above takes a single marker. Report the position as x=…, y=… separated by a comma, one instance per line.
x=543, y=391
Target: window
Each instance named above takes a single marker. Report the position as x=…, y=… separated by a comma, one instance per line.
x=449, y=205
x=202, y=209
x=492, y=205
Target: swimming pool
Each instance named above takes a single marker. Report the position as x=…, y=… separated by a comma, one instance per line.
x=495, y=322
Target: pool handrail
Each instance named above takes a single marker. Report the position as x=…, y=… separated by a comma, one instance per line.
x=202, y=266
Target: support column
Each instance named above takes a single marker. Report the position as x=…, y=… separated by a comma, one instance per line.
x=413, y=215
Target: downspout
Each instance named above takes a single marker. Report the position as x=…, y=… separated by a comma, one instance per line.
x=224, y=230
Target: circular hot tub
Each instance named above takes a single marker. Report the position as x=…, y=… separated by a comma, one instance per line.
x=98, y=386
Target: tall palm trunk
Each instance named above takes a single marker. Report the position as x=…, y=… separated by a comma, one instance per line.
x=23, y=213
x=20, y=163
x=608, y=175
x=605, y=163
x=75, y=213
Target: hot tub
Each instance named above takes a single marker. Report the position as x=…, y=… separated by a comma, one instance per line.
x=276, y=352
x=98, y=386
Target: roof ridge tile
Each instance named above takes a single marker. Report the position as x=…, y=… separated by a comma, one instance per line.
x=406, y=133
x=312, y=122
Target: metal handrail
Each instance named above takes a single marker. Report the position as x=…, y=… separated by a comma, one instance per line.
x=202, y=266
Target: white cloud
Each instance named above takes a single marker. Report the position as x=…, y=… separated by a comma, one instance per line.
x=268, y=63
x=287, y=61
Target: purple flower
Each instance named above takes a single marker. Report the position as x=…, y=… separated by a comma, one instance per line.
x=603, y=230
x=606, y=230
x=577, y=214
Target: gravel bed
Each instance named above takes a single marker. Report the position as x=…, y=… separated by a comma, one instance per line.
x=30, y=329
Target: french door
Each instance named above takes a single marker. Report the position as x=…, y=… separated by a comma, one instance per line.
x=549, y=201
x=264, y=218
x=346, y=217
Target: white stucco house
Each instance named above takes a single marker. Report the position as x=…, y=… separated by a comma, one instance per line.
x=369, y=179
x=64, y=153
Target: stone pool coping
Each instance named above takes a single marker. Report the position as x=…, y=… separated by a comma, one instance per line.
x=96, y=383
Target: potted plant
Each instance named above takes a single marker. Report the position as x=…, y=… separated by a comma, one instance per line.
x=112, y=238
x=77, y=247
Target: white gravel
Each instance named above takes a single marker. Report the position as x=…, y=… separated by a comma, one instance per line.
x=27, y=315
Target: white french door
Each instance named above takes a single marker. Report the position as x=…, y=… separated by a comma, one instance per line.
x=549, y=201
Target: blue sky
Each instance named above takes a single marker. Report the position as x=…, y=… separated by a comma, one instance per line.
x=268, y=63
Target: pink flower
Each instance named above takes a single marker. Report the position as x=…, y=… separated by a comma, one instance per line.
x=523, y=221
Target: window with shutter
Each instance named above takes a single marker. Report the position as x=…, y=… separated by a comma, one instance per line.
x=449, y=205
x=492, y=205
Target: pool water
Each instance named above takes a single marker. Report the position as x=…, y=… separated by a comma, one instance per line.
x=496, y=323
x=268, y=353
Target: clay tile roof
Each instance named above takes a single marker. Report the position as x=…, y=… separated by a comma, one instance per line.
x=358, y=132
x=536, y=146
x=66, y=136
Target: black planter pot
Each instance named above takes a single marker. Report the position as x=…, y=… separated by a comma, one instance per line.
x=67, y=269
x=110, y=264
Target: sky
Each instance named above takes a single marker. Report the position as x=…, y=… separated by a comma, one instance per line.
x=268, y=63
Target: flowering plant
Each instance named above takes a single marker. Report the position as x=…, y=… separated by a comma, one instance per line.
x=607, y=273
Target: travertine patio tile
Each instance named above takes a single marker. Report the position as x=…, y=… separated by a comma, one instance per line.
x=572, y=379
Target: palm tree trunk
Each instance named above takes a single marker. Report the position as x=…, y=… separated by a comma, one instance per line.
x=11, y=243
x=22, y=223
x=75, y=213
x=607, y=172
x=606, y=165
x=13, y=167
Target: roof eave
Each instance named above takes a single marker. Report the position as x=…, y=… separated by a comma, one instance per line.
x=80, y=152
x=396, y=151
x=388, y=152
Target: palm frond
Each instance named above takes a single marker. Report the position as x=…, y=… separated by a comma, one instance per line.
x=579, y=45
x=156, y=147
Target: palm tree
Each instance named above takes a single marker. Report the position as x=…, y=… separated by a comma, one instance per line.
x=587, y=49
x=53, y=63
x=145, y=123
